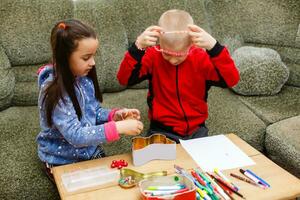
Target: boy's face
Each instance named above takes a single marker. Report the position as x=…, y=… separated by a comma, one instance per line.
x=82, y=60
x=174, y=56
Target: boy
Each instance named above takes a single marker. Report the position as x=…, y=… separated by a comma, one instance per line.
x=180, y=71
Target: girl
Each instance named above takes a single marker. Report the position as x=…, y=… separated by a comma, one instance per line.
x=73, y=123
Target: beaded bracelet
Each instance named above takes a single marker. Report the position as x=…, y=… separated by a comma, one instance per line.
x=176, y=32
x=173, y=53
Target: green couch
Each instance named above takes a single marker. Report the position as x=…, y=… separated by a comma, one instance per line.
x=24, y=46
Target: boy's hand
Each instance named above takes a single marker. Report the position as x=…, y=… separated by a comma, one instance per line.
x=125, y=113
x=149, y=37
x=129, y=127
x=201, y=38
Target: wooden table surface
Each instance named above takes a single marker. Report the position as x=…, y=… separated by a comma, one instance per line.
x=283, y=184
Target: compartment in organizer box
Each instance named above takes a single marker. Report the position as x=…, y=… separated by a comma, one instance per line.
x=168, y=181
x=85, y=178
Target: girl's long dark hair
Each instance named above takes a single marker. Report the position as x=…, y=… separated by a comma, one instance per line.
x=64, y=41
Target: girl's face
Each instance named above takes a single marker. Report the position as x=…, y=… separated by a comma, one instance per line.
x=82, y=60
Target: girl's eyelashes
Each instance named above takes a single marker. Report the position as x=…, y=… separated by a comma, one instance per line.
x=86, y=57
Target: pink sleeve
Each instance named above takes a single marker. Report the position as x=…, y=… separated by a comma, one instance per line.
x=111, y=132
x=112, y=113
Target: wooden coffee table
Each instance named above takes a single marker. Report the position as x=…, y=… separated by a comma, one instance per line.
x=283, y=184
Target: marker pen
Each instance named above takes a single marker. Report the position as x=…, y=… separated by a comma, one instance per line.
x=253, y=178
x=164, y=192
x=260, y=179
x=218, y=172
x=167, y=187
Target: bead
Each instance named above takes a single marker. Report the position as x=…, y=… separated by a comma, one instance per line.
x=119, y=164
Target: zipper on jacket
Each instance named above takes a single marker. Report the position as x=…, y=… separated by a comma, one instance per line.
x=178, y=97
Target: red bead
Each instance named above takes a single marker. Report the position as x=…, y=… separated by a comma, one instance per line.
x=112, y=165
x=121, y=162
x=114, y=162
x=120, y=166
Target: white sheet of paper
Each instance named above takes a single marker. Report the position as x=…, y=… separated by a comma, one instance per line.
x=216, y=152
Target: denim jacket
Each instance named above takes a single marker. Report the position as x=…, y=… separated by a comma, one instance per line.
x=69, y=139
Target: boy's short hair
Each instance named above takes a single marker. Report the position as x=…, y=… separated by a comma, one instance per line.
x=172, y=22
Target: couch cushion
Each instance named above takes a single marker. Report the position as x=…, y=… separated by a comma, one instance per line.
x=294, y=78
x=25, y=28
x=227, y=114
x=104, y=17
x=282, y=144
x=270, y=22
x=290, y=56
x=25, y=93
x=263, y=22
x=21, y=173
x=26, y=73
x=287, y=54
x=261, y=70
x=226, y=30
x=7, y=80
x=272, y=109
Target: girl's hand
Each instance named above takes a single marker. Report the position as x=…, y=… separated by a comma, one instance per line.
x=148, y=38
x=201, y=38
x=129, y=127
x=125, y=113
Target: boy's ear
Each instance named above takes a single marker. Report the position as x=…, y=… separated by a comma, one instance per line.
x=190, y=41
x=158, y=40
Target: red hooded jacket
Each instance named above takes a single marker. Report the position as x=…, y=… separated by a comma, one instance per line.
x=177, y=94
